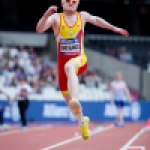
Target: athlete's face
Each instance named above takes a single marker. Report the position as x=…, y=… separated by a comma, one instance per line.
x=118, y=77
x=70, y=5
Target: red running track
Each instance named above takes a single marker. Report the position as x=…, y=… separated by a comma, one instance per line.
x=62, y=138
x=144, y=140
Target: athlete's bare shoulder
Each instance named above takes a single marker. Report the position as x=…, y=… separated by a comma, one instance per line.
x=85, y=15
x=55, y=17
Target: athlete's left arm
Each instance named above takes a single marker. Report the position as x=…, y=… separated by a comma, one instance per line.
x=95, y=20
x=128, y=93
x=111, y=93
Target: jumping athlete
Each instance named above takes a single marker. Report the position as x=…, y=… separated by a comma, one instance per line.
x=119, y=92
x=68, y=28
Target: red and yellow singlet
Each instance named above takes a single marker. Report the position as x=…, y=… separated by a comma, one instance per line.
x=70, y=44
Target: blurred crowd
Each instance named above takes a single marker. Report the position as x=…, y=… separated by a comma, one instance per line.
x=40, y=71
x=17, y=62
x=90, y=78
x=121, y=53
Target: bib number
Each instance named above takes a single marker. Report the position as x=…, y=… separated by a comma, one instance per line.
x=69, y=46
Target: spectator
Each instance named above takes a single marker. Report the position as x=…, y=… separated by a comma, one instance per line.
x=46, y=62
x=129, y=56
x=38, y=88
x=23, y=52
x=91, y=79
x=7, y=82
x=30, y=69
x=31, y=52
x=110, y=51
x=20, y=73
x=22, y=95
x=13, y=52
x=123, y=54
x=14, y=64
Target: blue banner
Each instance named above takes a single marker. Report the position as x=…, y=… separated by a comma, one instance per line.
x=58, y=111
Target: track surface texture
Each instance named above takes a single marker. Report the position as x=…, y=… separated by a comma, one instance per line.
x=66, y=137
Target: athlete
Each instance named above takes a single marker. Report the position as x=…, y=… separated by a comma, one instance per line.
x=68, y=28
x=119, y=92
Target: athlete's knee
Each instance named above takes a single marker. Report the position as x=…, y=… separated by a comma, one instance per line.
x=69, y=66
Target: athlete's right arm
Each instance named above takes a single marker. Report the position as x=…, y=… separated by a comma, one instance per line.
x=47, y=20
x=111, y=93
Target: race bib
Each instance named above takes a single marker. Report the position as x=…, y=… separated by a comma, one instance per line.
x=69, y=46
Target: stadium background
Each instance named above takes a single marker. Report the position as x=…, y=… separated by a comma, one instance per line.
x=23, y=52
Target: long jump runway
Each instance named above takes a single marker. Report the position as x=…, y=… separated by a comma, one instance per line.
x=65, y=137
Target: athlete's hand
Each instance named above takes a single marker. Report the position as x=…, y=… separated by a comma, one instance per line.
x=50, y=11
x=121, y=31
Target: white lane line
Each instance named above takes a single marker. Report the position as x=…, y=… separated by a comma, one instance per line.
x=136, y=136
x=137, y=147
x=24, y=131
x=98, y=130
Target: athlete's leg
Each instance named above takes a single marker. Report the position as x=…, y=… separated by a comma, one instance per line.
x=69, y=86
x=120, y=115
x=83, y=121
x=67, y=98
x=70, y=70
x=120, y=112
x=77, y=113
x=119, y=118
x=117, y=106
x=73, y=88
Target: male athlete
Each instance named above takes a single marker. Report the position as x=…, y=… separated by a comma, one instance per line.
x=119, y=91
x=68, y=28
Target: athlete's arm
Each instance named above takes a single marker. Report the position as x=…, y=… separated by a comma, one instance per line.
x=47, y=20
x=112, y=93
x=128, y=93
x=95, y=20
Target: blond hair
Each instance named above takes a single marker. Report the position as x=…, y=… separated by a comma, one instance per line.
x=118, y=74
